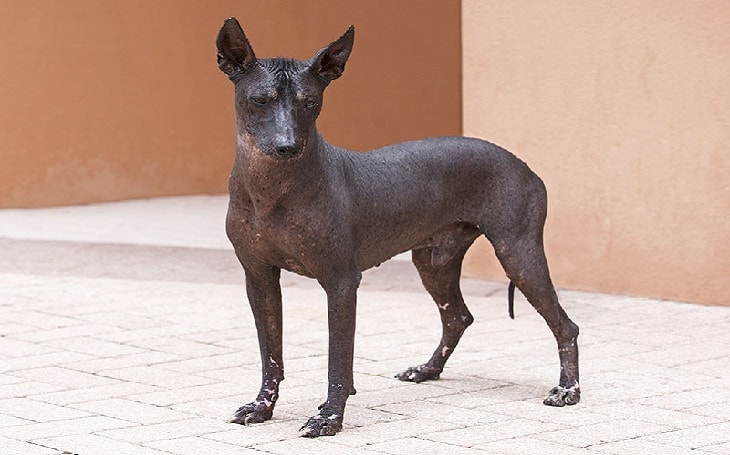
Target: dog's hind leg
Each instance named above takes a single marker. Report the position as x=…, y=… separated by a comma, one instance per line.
x=442, y=282
x=523, y=259
x=514, y=225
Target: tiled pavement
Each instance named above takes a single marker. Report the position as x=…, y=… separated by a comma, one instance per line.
x=124, y=330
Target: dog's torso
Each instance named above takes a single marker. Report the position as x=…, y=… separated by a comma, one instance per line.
x=417, y=194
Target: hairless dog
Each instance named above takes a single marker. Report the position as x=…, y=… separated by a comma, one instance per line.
x=301, y=204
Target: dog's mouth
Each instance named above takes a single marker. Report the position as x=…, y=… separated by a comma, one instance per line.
x=279, y=154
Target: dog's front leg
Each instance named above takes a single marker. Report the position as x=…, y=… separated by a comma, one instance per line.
x=264, y=296
x=341, y=310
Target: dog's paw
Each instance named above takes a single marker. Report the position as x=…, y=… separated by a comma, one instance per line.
x=419, y=374
x=322, y=425
x=560, y=396
x=254, y=412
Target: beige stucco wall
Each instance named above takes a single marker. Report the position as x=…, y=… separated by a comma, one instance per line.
x=624, y=109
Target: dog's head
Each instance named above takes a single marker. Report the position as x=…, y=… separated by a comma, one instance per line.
x=279, y=99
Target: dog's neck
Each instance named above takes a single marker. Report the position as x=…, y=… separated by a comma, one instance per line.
x=267, y=181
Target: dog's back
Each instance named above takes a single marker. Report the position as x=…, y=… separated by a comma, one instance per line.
x=408, y=195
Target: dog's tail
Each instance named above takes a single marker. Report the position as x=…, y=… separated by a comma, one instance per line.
x=511, y=299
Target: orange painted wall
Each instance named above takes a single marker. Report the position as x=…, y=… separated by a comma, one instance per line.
x=624, y=109
x=109, y=100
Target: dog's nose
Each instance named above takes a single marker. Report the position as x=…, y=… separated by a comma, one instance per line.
x=287, y=151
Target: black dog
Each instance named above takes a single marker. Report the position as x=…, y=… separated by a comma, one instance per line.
x=301, y=204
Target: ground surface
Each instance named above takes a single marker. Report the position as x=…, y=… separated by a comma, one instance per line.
x=124, y=330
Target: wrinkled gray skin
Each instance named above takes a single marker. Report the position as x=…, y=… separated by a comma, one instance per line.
x=301, y=204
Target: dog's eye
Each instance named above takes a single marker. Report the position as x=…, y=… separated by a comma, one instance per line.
x=258, y=100
x=310, y=103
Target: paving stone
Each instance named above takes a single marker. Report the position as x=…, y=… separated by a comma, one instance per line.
x=41, y=336
x=531, y=445
x=387, y=431
x=155, y=376
x=474, y=435
x=570, y=416
x=42, y=360
x=39, y=320
x=673, y=419
x=9, y=421
x=641, y=446
x=686, y=354
x=133, y=411
x=720, y=410
x=168, y=430
x=618, y=386
x=447, y=413
x=722, y=448
x=180, y=347
x=65, y=377
x=70, y=396
x=37, y=411
x=168, y=396
x=717, y=367
x=600, y=433
x=7, y=379
x=26, y=388
x=14, y=447
x=213, y=407
x=144, y=359
x=365, y=382
x=401, y=392
x=499, y=394
x=12, y=328
x=691, y=396
x=82, y=425
x=249, y=373
x=18, y=349
x=92, y=444
x=418, y=445
x=256, y=435
x=207, y=363
x=696, y=437
x=188, y=445
x=93, y=347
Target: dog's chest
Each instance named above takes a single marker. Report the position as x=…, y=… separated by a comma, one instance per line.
x=282, y=238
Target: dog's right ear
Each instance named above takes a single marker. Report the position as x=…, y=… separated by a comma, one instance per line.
x=235, y=55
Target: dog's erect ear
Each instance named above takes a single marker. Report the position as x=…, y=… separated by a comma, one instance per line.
x=235, y=55
x=329, y=63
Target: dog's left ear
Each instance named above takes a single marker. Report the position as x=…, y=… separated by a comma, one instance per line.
x=329, y=63
x=235, y=55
